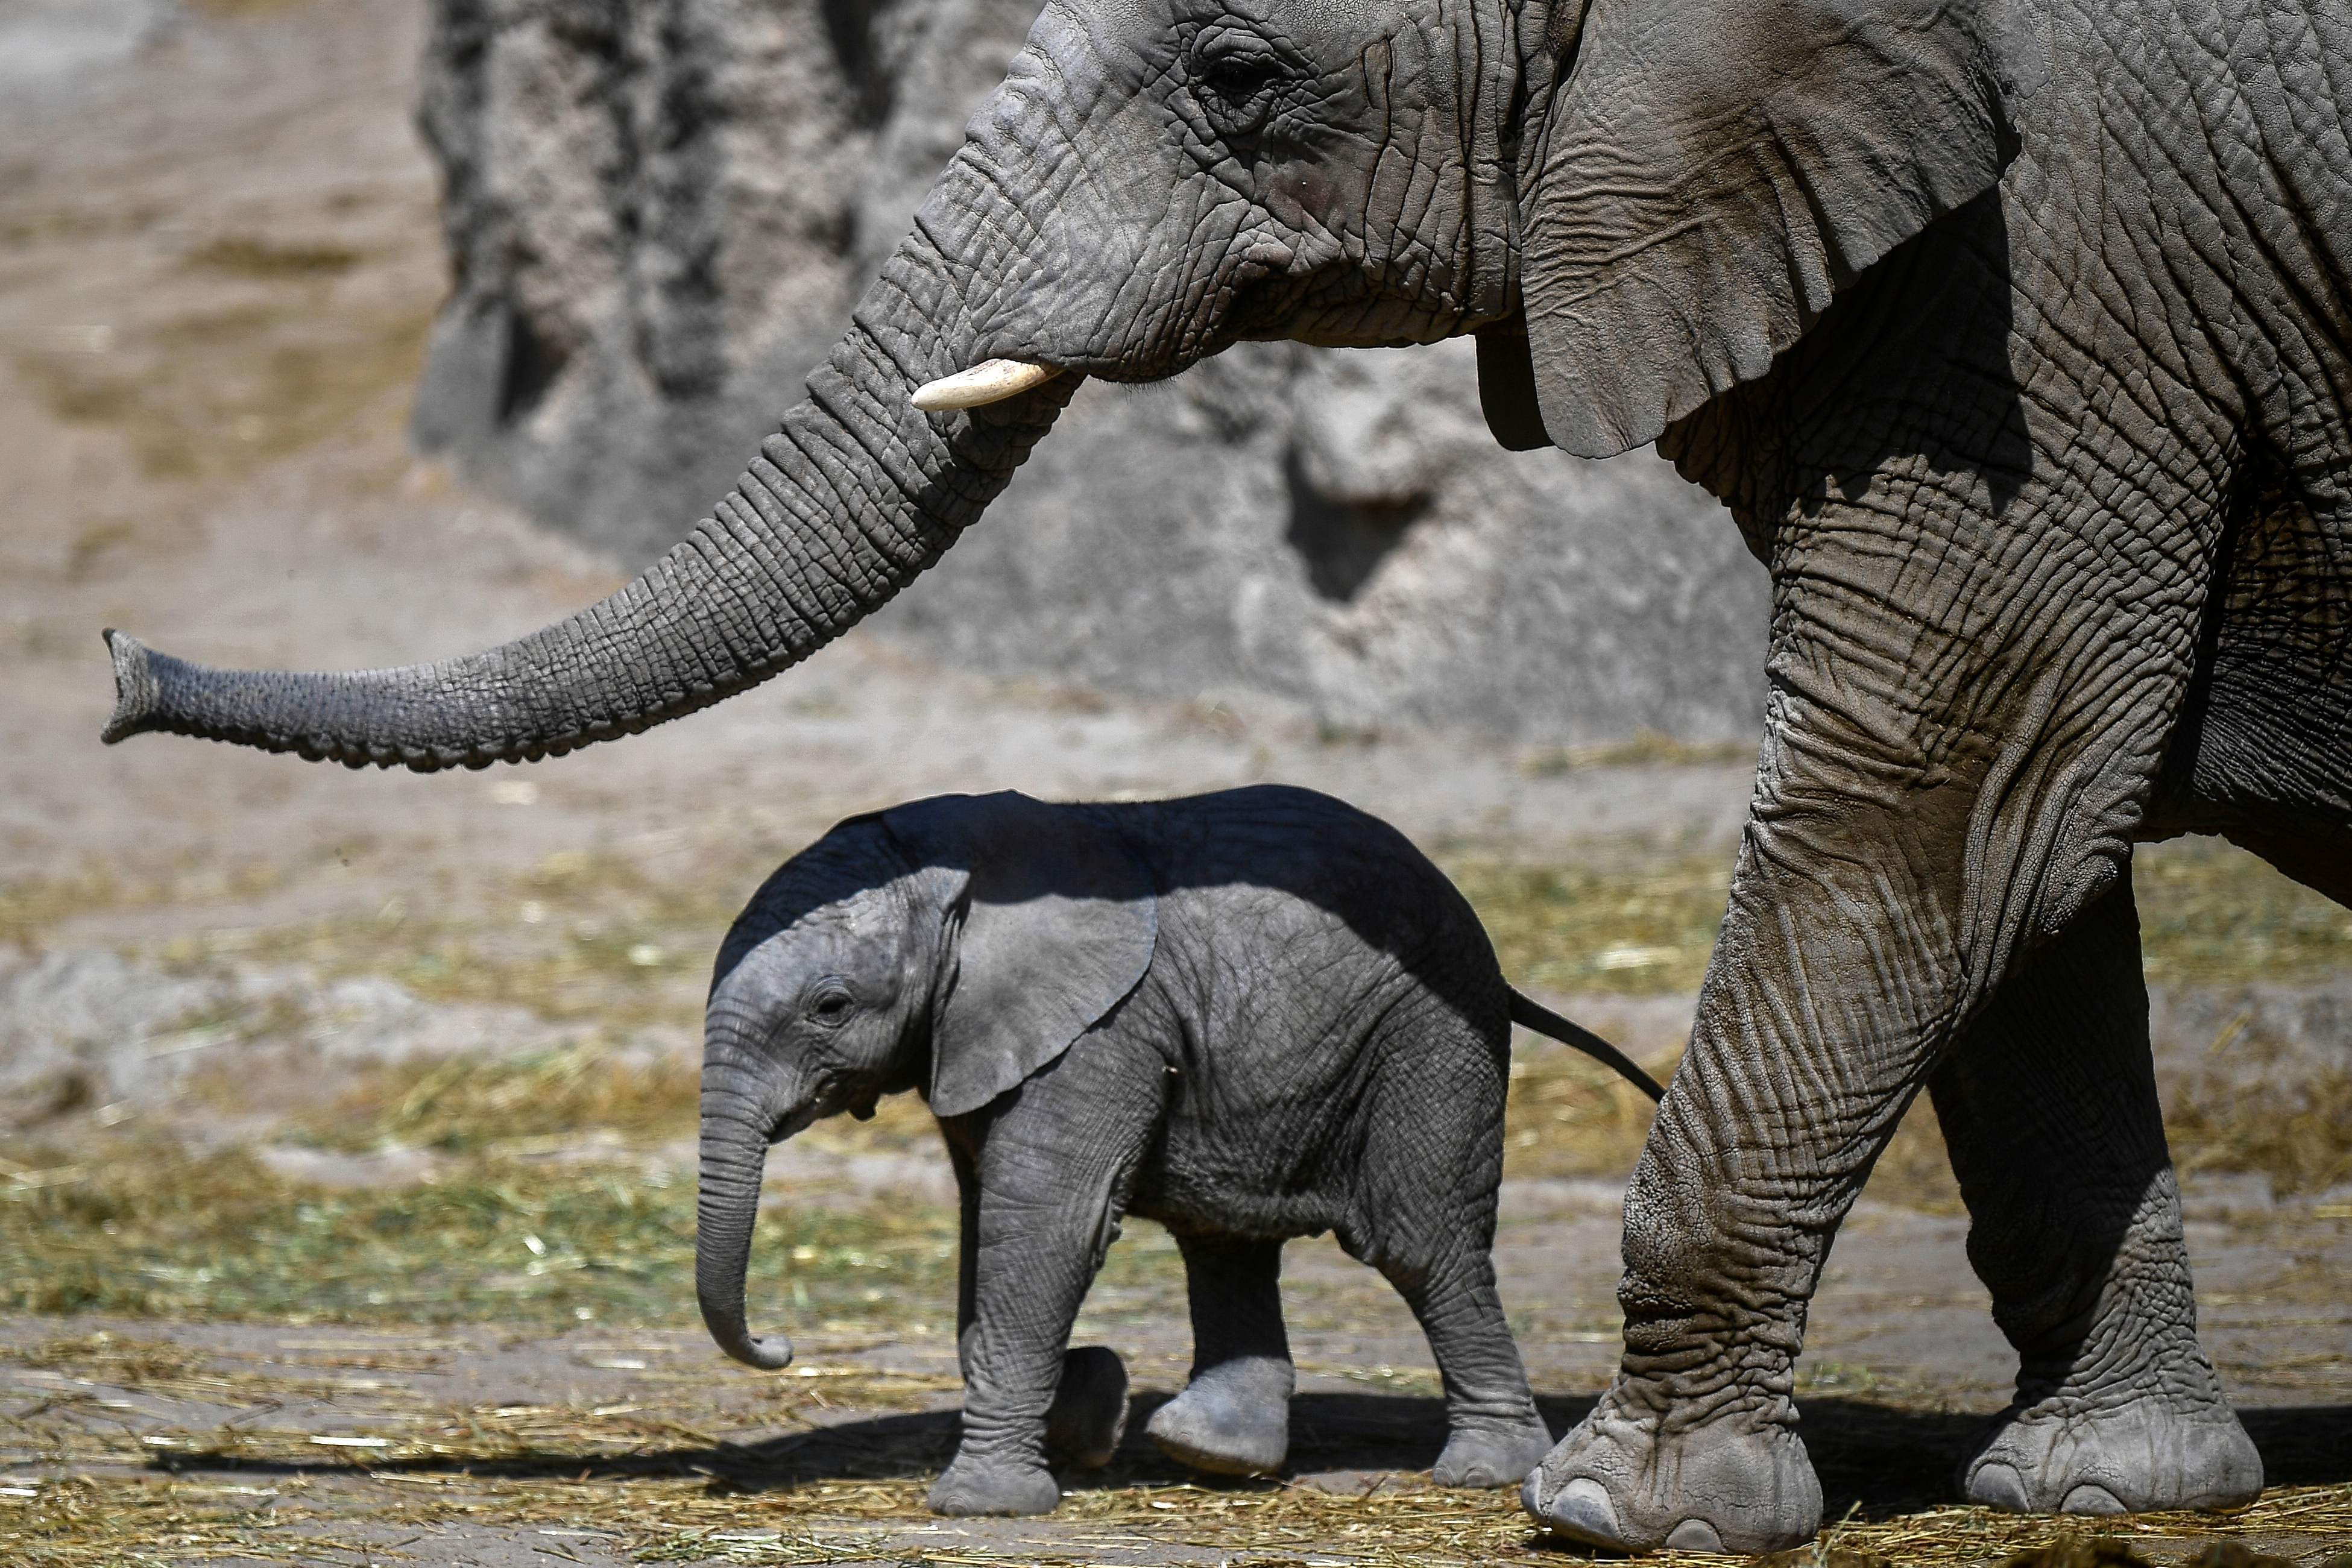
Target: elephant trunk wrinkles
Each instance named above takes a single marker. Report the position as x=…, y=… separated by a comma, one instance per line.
x=855, y=495
x=733, y=1156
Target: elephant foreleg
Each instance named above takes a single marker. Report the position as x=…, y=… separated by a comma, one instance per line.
x=1929, y=812
x=2048, y=1103
x=1819, y=1019
x=1089, y=1414
x=1054, y=1165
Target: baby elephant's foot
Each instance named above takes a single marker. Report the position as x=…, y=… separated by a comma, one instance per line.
x=1089, y=1412
x=1490, y=1456
x=1232, y=1420
x=2134, y=1458
x=1622, y=1481
x=974, y=1486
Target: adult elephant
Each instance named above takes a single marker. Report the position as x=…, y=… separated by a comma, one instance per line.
x=2014, y=336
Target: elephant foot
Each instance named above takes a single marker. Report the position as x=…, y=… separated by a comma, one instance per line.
x=1089, y=1412
x=1625, y=1482
x=1492, y=1456
x=1232, y=1420
x=2137, y=1456
x=972, y=1487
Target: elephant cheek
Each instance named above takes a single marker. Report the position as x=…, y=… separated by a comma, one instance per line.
x=1303, y=197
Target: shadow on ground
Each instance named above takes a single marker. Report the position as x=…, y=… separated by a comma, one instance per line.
x=1877, y=1459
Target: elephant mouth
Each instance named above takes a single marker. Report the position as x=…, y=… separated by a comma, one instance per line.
x=794, y=1123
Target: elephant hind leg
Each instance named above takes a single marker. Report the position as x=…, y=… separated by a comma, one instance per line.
x=1088, y=1415
x=2048, y=1103
x=1425, y=1217
x=1494, y=1433
x=1233, y=1416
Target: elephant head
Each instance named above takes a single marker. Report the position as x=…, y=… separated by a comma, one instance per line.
x=1636, y=206
x=956, y=944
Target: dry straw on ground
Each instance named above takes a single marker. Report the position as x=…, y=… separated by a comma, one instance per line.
x=661, y=1489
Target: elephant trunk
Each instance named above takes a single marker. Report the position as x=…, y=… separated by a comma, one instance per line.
x=733, y=1156
x=855, y=495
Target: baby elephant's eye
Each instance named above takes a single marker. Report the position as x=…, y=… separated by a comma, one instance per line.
x=831, y=1005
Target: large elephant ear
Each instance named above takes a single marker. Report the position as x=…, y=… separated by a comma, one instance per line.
x=1710, y=172
x=1059, y=921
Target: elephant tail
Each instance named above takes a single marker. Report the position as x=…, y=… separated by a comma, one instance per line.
x=1533, y=1015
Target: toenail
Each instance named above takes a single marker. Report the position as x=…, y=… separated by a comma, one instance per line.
x=2092, y=1498
x=1582, y=1507
x=1694, y=1535
x=1998, y=1486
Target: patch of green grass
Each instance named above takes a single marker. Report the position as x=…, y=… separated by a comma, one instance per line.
x=583, y=1092
x=219, y=1236
x=470, y=1103
x=130, y=1229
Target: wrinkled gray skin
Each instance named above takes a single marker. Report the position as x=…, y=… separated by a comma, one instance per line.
x=1250, y=1016
x=2014, y=335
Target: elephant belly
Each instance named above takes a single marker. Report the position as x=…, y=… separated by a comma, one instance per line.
x=2271, y=750
x=1209, y=1193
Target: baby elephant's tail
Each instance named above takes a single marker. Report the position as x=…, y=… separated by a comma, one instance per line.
x=1544, y=1021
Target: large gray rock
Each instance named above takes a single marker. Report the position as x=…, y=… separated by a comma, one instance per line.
x=660, y=212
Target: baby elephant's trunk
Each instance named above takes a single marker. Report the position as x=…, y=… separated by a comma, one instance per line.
x=734, y=1155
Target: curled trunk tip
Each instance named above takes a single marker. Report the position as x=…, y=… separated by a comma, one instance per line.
x=769, y=1353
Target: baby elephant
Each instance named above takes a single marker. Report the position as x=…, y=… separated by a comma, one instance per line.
x=1251, y=1016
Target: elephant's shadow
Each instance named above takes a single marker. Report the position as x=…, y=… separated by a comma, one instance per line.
x=1877, y=1459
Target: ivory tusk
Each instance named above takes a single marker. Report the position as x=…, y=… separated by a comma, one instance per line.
x=990, y=381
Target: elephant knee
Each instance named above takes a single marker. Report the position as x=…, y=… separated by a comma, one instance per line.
x=1677, y=1259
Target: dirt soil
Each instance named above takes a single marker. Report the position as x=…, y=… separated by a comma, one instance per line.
x=218, y=261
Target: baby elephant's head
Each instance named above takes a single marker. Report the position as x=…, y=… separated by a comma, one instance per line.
x=953, y=946
x=822, y=990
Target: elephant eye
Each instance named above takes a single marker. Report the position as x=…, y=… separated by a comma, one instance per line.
x=830, y=1005
x=1235, y=89
x=1239, y=76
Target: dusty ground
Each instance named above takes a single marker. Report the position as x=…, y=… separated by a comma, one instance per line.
x=346, y=1202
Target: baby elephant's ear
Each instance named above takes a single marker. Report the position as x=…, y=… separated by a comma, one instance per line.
x=1058, y=923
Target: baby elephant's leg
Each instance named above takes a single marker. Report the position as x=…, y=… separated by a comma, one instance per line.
x=1233, y=1416
x=1495, y=1436
x=1433, y=1165
x=1052, y=1175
